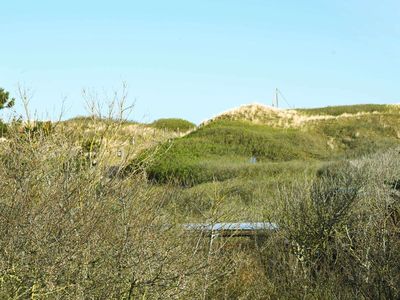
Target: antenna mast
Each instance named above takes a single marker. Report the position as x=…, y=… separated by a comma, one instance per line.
x=275, y=102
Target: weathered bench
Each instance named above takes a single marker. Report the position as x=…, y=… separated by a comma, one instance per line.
x=247, y=229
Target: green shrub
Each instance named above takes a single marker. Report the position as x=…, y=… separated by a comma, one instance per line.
x=5, y=100
x=177, y=125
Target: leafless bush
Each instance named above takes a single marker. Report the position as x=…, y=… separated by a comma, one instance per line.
x=339, y=233
x=70, y=232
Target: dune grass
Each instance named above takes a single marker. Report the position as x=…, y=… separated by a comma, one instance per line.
x=350, y=109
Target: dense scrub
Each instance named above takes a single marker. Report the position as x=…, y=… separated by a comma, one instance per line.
x=68, y=230
x=343, y=230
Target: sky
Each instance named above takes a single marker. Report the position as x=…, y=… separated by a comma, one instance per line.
x=194, y=59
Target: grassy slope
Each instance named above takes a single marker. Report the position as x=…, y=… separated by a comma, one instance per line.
x=213, y=162
x=215, y=158
x=222, y=149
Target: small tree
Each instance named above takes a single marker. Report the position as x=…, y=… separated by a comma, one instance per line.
x=5, y=100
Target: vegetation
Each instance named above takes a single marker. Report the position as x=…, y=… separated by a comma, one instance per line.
x=79, y=221
x=3, y=129
x=227, y=148
x=351, y=109
x=5, y=100
x=343, y=228
x=69, y=230
x=173, y=124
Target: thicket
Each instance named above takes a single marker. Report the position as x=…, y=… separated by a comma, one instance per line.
x=70, y=231
x=343, y=231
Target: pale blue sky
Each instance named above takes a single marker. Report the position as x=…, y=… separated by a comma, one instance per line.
x=194, y=59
